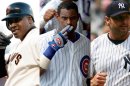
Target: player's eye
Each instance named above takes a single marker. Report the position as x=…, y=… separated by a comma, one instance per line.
x=73, y=18
x=14, y=20
x=120, y=18
x=64, y=18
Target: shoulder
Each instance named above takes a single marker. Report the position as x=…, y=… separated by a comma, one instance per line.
x=35, y=31
x=33, y=34
x=83, y=37
x=41, y=41
x=83, y=40
x=48, y=36
x=99, y=40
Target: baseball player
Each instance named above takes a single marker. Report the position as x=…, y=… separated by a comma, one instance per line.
x=49, y=22
x=23, y=65
x=48, y=12
x=68, y=65
x=110, y=52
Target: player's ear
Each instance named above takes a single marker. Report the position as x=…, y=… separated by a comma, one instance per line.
x=30, y=19
x=107, y=20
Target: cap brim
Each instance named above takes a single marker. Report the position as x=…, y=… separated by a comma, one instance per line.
x=12, y=16
x=116, y=14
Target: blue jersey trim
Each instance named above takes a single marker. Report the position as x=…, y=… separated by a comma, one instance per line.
x=77, y=37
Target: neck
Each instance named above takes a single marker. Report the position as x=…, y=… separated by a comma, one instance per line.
x=27, y=32
x=118, y=37
x=72, y=36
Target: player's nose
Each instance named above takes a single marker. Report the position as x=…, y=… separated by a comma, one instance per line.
x=68, y=21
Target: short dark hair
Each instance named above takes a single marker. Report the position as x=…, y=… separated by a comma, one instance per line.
x=67, y=5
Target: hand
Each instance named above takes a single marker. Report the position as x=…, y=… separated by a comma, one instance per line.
x=61, y=38
x=49, y=14
x=4, y=40
x=58, y=42
x=99, y=79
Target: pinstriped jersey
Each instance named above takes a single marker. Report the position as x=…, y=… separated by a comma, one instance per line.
x=114, y=59
x=69, y=65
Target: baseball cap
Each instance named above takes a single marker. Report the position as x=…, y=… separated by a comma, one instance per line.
x=116, y=8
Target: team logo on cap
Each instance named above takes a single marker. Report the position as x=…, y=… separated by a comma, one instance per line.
x=121, y=5
x=10, y=10
x=84, y=63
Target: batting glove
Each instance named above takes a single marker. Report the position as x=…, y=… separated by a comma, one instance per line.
x=58, y=42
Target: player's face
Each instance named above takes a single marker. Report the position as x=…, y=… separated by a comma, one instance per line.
x=119, y=24
x=19, y=26
x=68, y=17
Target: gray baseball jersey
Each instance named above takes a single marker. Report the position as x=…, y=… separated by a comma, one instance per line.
x=114, y=59
x=69, y=66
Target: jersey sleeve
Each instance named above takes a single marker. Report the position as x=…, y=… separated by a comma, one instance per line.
x=41, y=46
x=42, y=60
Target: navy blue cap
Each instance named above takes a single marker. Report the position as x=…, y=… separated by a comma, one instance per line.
x=116, y=8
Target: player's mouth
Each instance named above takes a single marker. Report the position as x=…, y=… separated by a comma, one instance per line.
x=124, y=27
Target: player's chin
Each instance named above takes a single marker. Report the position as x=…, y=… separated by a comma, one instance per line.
x=123, y=33
x=16, y=36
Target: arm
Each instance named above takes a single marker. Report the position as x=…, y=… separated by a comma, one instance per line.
x=48, y=10
x=53, y=46
x=4, y=41
x=3, y=71
x=47, y=13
